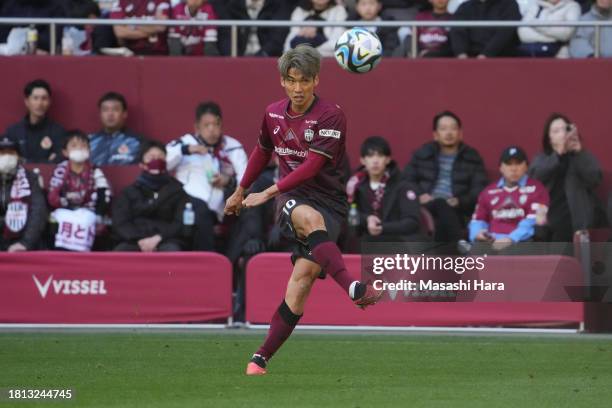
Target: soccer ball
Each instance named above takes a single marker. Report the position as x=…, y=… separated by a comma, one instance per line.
x=358, y=50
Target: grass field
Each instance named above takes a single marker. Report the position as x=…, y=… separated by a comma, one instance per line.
x=312, y=370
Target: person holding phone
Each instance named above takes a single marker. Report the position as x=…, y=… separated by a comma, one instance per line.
x=571, y=174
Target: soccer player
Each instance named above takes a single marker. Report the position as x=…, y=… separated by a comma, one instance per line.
x=308, y=135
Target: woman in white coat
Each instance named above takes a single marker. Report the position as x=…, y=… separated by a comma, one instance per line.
x=548, y=41
x=327, y=10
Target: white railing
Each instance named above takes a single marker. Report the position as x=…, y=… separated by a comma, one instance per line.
x=234, y=24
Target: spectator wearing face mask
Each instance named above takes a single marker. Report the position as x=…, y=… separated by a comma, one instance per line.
x=23, y=212
x=79, y=194
x=148, y=215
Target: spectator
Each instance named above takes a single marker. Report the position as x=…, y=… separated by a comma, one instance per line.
x=148, y=215
x=209, y=164
x=34, y=9
x=387, y=206
x=369, y=10
x=434, y=41
x=400, y=9
x=583, y=43
x=255, y=41
x=80, y=195
x=327, y=10
x=114, y=144
x=192, y=40
x=571, y=174
x=548, y=41
x=507, y=210
x=448, y=175
x=88, y=39
x=142, y=40
x=485, y=42
x=23, y=212
x=39, y=138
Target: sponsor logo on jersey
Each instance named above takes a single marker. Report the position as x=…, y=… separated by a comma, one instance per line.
x=309, y=135
x=285, y=151
x=330, y=133
x=311, y=122
x=508, y=213
x=494, y=191
x=274, y=115
x=70, y=287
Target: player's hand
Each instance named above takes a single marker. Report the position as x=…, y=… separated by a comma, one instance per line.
x=502, y=243
x=484, y=236
x=233, y=205
x=374, y=225
x=255, y=199
x=453, y=201
x=425, y=198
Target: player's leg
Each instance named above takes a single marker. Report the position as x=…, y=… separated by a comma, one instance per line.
x=287, y=315
x=309, y=224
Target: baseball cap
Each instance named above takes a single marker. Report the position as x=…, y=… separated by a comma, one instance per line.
x=6, y=143
x=513, y=153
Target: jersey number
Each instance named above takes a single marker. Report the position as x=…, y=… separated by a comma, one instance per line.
x=288, y=206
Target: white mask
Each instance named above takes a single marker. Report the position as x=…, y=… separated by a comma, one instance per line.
x=78, y=155
x=8, y=163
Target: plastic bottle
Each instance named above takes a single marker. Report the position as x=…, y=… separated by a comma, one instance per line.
x=32, y=40
x=353, y=216
x=188, y=215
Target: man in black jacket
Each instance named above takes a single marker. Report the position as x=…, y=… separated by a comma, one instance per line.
x=148, y=215
x=39, y=138
x=485, y=42
x=387, y=206
x=448, y=176
x=260, y=41
x=23, y=209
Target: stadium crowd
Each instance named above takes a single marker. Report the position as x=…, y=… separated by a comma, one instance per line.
x=176, y=202
x=460, y=42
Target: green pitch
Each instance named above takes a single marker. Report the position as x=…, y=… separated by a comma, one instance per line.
x=312, y=370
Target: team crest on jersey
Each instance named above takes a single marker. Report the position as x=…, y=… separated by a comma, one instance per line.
x=123, y=149
x=46, y=143
x=523, y=199
x=309, y=135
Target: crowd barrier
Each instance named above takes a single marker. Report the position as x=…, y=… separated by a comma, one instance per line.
x=59, y=287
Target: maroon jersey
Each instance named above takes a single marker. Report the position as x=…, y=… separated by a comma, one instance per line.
x=193, y=37
x=432, y=38
x=320, y=130
x=143, y=9
x=503, y=208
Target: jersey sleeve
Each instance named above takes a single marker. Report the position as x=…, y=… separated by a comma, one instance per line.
x=539, y=202
x=264, y=140
x=330, y=136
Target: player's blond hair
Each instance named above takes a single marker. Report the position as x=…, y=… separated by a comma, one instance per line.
x=304, y=58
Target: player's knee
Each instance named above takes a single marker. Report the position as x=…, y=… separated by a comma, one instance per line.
x=312, y=221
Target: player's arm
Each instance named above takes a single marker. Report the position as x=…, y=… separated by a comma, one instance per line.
x=304, y=172
x=257, y=163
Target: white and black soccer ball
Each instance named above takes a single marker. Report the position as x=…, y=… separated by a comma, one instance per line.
x=358, y=50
